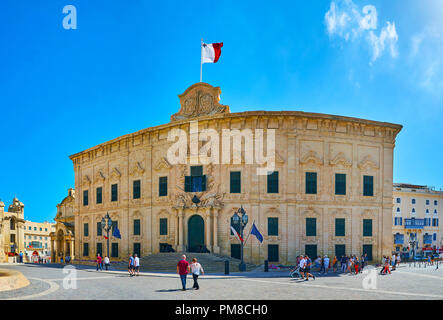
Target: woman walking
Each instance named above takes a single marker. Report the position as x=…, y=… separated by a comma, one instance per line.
x=99, y=262
x=334, y=264
x=106, y=261
x=196, y=270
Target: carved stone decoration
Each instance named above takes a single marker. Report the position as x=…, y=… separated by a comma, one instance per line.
x=311, y=157
x=340, y=159
x=367, y=163
x=278, y=158
x=115, y=174
x=200, y=99
x=86, y=181
x=162, y=163
x=137, y=170
x=99, y=176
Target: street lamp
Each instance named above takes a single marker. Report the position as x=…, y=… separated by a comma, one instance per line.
x=106, y=225
x=412, y=243
x=241, y=222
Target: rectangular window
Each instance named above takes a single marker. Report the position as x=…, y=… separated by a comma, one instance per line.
x=311, y=251
x=340, y=184
x=311, y=227
x=196, y=182
x=86, y=229
x=435, y=202
x=427, y=202
x=340, y=250
x=272, y=226
x=434, y=237
x=136, y=227
x=235, y=251
x=163, y=226
x=398, y=200
x=367, y=227
x=368, y=186
x=311, y=182
x=162, y=186
x=85, y=249
x=367, y=249
x=136, y=189
x=273, y=182
x=100, y=248
x=235, y=182
x=339, y=227
x=99, y=229
x=137, y=249
x=114, y=192
x=85, y=198
x=99, y=194
x=273, y=253
x=114, y=250
x=413, y=201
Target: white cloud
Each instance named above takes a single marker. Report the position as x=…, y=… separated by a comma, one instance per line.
x=345, y=20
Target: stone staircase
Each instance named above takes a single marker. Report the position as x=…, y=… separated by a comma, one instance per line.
x=167, y=262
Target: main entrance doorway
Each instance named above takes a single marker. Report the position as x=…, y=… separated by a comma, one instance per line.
x=196, y=234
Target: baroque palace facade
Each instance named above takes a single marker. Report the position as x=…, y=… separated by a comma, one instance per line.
x=330, y=192
x=12, y=227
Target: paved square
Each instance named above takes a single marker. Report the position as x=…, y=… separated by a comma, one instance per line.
x=47, y=282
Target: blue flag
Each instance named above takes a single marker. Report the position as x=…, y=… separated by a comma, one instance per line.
x=116, y=233
x=256, y=233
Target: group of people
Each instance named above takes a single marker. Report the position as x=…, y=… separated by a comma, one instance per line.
x=184, y=268
x=352, y=264
x=388, y=262
x=100, y=262
x=305, y=263
x=134, y=265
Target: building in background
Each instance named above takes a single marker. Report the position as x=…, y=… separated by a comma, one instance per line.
x=37, y=239
x=330, y=192
x=416, y=213
x=11, y=230
x=62, y=238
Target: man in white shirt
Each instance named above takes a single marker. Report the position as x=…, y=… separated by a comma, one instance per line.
x=137, y=264
x=326, y=259
x=302, y=265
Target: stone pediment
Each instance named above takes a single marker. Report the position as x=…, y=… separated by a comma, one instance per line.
x=367, y=163
x=311, y=157
x=340, y=159
x=115, y=174
x=86, y=180
x=200, y=99
x=99, y=176
x=137, y=170
x=162, y=163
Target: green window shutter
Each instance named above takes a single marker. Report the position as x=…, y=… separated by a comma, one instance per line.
x=340, y=184
x=100, y=248
x=114, y=250
x=340, y=227
x=235, y=182
x=163, y=226
x=311, y=227
x=272, y=226
x=163, y=186
x=85, y=197
x=114, y=192
x=136, y=227
x=273, y=253
x=368, y=186
x=311, y=182
x=273, y=182
x=367, y=228
x=99, y=192
x=136, y=189
x=340, y=250
x=85, y=249
x=187, y=184
x=99, y=229
x=85, y=229
x=196, y=171
x=204, y=183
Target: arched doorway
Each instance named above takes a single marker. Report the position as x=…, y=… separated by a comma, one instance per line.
x=60, y=246
x=196, y=233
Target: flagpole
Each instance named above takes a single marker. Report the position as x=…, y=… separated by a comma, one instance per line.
x=201, y=60
x=249, y=232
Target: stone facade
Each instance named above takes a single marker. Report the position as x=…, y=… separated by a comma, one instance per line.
x=305, y=142
x=37, y=238
x=62, y=238
x=418, y=202
x=12, y=226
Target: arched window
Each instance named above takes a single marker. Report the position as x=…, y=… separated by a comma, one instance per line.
x=12, y=224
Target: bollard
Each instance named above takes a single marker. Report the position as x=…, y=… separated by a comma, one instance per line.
x=226, y=266
x=266, y=266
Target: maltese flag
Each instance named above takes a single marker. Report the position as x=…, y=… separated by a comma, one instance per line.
x=211, y=52
x=236, y=234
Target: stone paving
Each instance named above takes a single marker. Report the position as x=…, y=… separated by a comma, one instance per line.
x=404, y=283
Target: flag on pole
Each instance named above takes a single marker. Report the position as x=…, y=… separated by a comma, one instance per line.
x=256, y=233
x=106, y=237
x=211, y=52
x=236, y=234
x=116, y=233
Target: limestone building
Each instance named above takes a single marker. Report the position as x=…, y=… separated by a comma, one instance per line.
x=11, y=229
x=330, y=191
x=37, y=238
x=62, y=237
x=416, y=214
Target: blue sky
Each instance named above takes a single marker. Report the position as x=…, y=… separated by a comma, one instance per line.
x=63, y=91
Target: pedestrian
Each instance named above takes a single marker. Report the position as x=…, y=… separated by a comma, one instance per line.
x=21, y=257
x=196, y=269
x=398, y=259
x=301, y=264
x=326, y=259
x=183, y=269
x=356, y=264
x=98, y=261
x=131, y=265
x=106, y=261
x=349, y=265
x=334, y=264
x=308, y=268
x=343, y=262
x=136, y=264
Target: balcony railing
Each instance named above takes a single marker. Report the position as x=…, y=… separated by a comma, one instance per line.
x=414, y=223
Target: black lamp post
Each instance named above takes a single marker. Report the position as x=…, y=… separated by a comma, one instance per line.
x=241, y=222
x=412, y=243
x=106, y=225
